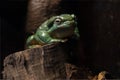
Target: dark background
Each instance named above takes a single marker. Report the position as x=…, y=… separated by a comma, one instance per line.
x=12, y=29
x=99, y=25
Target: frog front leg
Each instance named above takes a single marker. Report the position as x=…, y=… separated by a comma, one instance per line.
x=76, y=34
x=31, y=42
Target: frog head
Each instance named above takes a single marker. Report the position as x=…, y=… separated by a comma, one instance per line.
x=62, y=26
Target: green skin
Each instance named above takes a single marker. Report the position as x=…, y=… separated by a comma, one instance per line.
x=56, y=29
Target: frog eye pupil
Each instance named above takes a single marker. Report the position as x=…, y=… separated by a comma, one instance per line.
x=57, y=21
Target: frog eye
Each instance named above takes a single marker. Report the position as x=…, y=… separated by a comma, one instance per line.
x=58, y=21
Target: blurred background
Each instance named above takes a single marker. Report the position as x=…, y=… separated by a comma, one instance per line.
x=98, y=23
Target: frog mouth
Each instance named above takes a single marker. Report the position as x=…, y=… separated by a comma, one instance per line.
x=62, y=32
x=65, y=28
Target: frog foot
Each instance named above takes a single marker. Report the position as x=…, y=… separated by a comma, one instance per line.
x=58, y=40
x=34, y=46
x=64, y=40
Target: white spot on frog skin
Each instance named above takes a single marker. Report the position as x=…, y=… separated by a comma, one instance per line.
x=73, y=15
x=61, y=17
x=43, y=34
x=39, y=27
x=32, y=36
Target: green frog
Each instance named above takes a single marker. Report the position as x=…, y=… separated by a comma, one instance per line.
x=56, y=29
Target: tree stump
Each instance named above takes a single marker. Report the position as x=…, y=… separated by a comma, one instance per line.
x=42, y=63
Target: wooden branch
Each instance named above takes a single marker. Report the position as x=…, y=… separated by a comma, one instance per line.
x=44, y=63
x=49, y=62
